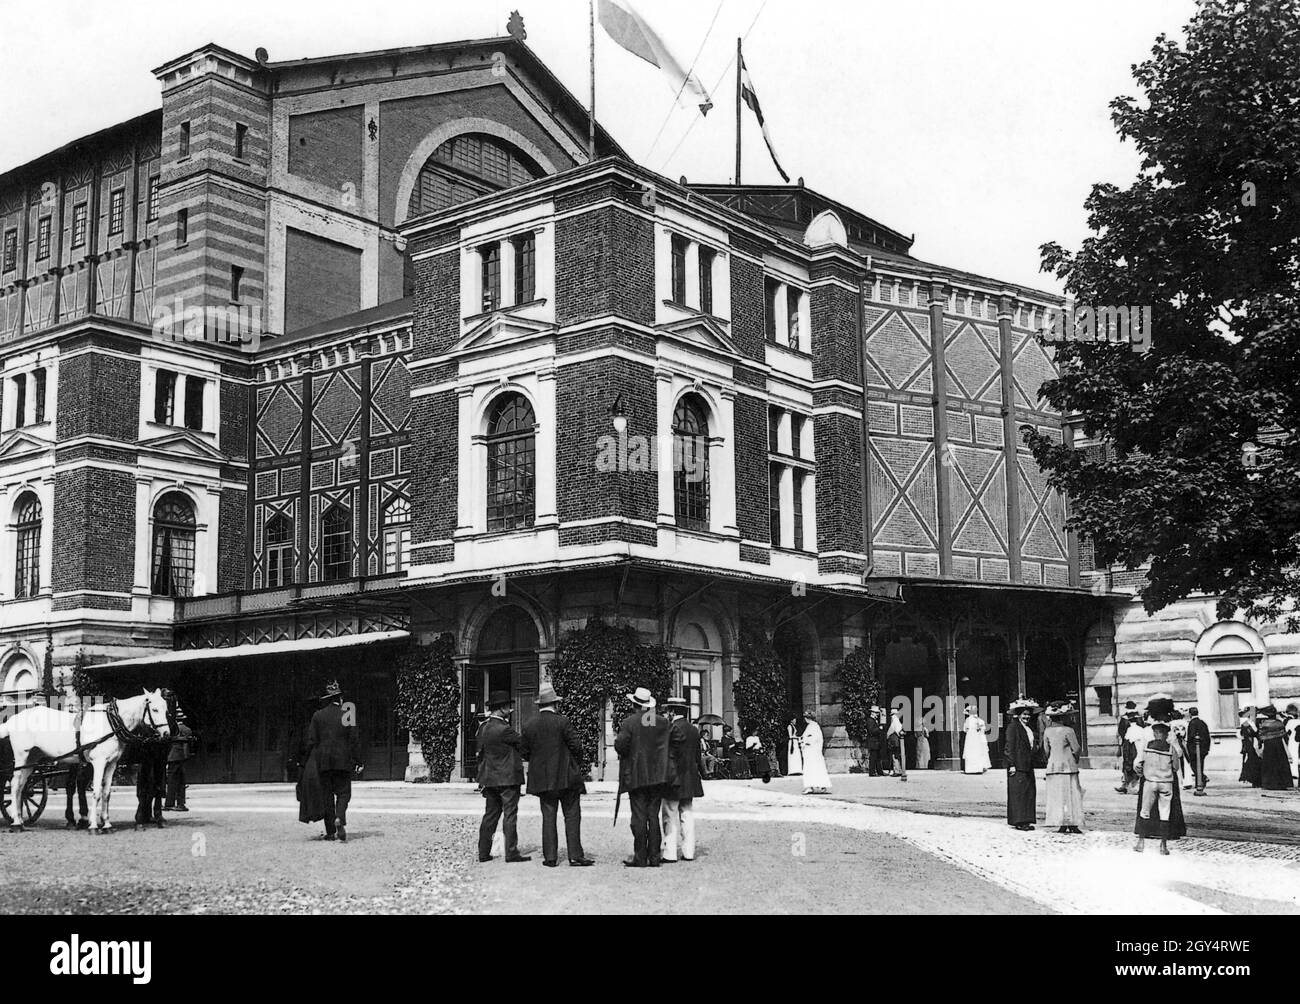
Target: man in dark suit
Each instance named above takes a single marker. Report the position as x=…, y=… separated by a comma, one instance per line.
x=1198, y=747
x=555, y=763
x=643, y=771
x=875, y=744
x=500, y=775
x=684, y=783
x=338, y=756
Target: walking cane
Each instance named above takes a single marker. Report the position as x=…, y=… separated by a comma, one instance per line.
x=1200, y=771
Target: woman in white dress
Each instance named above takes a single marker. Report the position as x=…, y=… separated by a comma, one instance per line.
x=794, y=749
x=975, y=752
x=815, y=779
x=922, y=747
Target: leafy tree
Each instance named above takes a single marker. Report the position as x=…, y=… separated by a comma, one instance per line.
x=603, y=663
x=429, y=703
x=1198, y=473
x=859, y=692
x=760, y=690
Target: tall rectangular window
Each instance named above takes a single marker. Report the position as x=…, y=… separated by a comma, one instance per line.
x=774, y=503
x=796, y=435
x=1105, y=702
x=164, y=397
x=11, y=250
x=525, y=268
x=182, y=226
x=773, y=430
x=43, y=238
x=798, y=510
x=38, y=390
x=241, y=137
x=794, y=300
x=116, y=211
x=151, y=210
x=679, y=268
x=20, y=400
x=185, y=140
x=770, y=288
x=194, y=387
x=236, y=281
x=707, y=257
x=79, y=217
x=490, y=261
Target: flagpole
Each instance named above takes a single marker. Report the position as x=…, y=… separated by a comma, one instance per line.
x=740, y=63
x=591, y=132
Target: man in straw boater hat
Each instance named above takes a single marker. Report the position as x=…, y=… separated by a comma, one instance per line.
x=1021, y=744
x=555, y=775
x=643, y=772
x=338, y=756
x=685, y=783
x=500, y=775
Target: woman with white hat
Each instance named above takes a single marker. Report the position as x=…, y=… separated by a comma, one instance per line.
x=1064, y=792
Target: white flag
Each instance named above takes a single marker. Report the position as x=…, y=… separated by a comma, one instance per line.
x=629, y=29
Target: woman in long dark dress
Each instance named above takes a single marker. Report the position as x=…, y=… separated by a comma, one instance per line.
x=1250, y=772
x=1022, y=790
x=1275, y=766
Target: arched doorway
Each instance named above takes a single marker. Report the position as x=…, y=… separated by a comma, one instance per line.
x=985, y=674
x=18, y=682
x=908, y=665
x=505, y=659
x=796, y=651
x=697, y=643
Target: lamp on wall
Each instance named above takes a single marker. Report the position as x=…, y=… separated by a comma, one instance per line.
x=618, y=414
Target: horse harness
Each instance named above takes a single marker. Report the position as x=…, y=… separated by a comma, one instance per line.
x=118, y=731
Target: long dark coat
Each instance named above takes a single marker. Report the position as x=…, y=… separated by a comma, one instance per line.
x=499, y=762
x=553, y=752
x=1022, y=789
x=311, y=799
x=686, y=766
x=642, y=748
x=336, y=745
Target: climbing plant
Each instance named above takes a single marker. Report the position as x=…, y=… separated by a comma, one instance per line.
x=859, y=692
x=760, y=689
x=602, y=663
x=429, y=703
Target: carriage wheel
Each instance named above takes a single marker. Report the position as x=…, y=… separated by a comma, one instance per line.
x=4, y=802
x=35, y=794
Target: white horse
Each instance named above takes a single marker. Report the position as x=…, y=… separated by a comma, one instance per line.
x=47, y=734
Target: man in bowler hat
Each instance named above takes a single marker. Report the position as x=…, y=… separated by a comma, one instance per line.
x=338, y=757
x=555, y=762
x=500, y=775
x=684, y=784
x=643, y=772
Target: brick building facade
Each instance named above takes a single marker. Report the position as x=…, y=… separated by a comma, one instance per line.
x=330, y=353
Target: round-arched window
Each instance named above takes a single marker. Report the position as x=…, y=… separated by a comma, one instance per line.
x=691, y=464
x=27, y=554
x=173, y=546
x=466, y=167
x=511, y=467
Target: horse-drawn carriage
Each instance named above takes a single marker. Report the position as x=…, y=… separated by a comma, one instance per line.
x=35, y=793
x=41, y=743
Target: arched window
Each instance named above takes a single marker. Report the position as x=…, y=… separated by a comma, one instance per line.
x=512, y=455
x=27, y=557
x=278, y=550
x=336, y=544
x=397, y=535
x=466, y=167
x=173, y=546
x=691, y=464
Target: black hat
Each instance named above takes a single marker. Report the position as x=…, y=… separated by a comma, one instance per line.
x=332, y=690
x=500, y=699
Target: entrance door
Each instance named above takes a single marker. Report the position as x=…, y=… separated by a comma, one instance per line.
x=506, y=661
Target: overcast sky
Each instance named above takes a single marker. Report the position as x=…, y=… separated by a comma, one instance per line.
x=977, y=126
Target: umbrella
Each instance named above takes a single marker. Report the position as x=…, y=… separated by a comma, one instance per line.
x=710, y=720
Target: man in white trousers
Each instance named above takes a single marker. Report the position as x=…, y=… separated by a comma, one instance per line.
x=685, y=782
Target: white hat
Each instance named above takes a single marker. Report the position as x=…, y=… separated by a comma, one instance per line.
x=642, y=698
